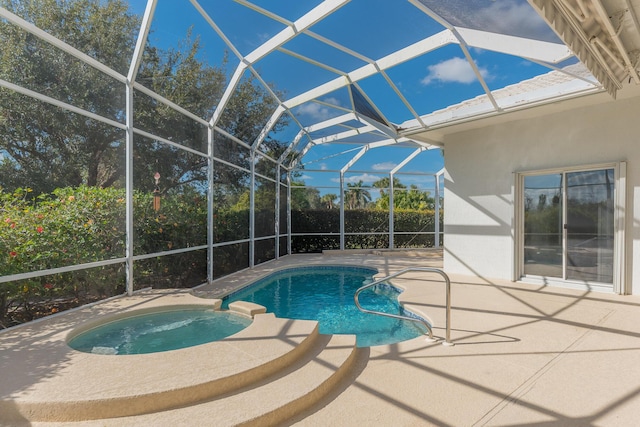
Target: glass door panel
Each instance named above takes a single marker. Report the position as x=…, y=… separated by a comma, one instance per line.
x=590, y=225
x=543, y=225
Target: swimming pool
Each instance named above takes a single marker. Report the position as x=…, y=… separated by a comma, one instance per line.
x=159, y=331
x=326, y=294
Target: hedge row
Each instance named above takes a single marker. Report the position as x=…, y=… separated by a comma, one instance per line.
x=86, y=224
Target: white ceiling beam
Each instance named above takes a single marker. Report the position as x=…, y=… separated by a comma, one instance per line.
x=404, y=100
x=407, y=160
x=141, y=41
x=355, y=158
x=391, y=133
x=311, y=61
x=268, y=126
x=516, y=46
x=304, y=151
x=316, y=14
x=331, y=122
x=292, y=145
x=228, y=92
x=410, y=52
x=264, y=12
x=309, y=19
x=342, y=135
x=364, y=150
x=463, y=46
x=429, y=44
x=217, y=29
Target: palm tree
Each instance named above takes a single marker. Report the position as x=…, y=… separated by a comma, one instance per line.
x=383, y=185
x=356, y=196
x=329, y=200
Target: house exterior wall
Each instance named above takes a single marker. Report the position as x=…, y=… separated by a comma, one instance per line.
x=479, y=223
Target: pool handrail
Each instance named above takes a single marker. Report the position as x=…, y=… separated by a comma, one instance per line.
x=447, y=340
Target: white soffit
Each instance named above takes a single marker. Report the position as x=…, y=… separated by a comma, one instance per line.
x=604, y=34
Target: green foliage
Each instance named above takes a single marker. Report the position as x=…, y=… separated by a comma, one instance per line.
x=86, y=224
x=70, y=226
x=360, y=221
x=304, y=197
x=411, y=199
x=67, y=227
x=48, y=147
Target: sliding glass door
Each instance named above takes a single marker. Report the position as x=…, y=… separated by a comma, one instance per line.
x=568, y=230
x=589, y=225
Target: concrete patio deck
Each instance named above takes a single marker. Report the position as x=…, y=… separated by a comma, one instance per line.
x=523, y=355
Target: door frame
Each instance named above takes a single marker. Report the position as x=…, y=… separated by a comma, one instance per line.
x=620, y=282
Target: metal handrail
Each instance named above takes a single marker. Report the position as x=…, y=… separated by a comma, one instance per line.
x=413, y=319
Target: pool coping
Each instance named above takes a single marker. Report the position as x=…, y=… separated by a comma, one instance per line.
x=80, y=390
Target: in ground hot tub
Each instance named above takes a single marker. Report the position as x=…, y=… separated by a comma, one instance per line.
x=163, y=329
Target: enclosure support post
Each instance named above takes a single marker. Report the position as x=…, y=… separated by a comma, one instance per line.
x=341, y=210
x=277, y=216
x=391, y=210
x=289, y=228
x=436, y=213
x=129, y=189
x=252, y=211
x=134, y=66
x=210, y=195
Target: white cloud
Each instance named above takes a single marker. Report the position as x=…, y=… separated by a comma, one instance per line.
x=315, y=111
x=454, y=70
x=332, y=101
x=365, y=178
x=508, y=17
x=323, y=167
x=318, y=111
x=306, y=177
x=384, y=166
x=516, y=18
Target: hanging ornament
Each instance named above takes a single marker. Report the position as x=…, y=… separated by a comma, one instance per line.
x=156, y=193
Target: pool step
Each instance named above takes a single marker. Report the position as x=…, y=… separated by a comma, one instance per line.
x=265, y=374
x=90, y=386
x=273, y=401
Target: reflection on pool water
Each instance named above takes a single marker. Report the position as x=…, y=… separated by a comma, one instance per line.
x=159, y=331
x=326, y=294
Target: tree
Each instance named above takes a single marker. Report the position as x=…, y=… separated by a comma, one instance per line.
x=413, y=199
x=303, y=198
x=329, y=200
x=403, y=198
x=47, y=147
x=383, y=185
x=356, y=196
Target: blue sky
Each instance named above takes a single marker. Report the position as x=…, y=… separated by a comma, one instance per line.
x=372, y=29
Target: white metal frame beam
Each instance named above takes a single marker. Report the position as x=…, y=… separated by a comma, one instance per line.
x=415, y=50
x=134, y=66
x=316, y=14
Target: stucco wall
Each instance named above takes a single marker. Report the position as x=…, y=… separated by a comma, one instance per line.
x=479, y=211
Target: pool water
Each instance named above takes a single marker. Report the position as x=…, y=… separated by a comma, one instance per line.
x=326, y=294
x=159, y=331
